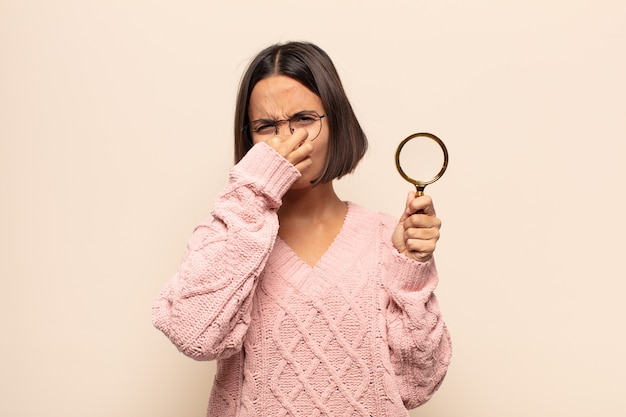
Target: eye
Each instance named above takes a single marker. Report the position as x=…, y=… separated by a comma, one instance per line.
x=263, y=127
x=304, y=119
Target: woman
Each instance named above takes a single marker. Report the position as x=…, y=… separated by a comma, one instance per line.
x=312, y=306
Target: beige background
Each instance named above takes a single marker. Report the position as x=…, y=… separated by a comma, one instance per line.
x=115, y=136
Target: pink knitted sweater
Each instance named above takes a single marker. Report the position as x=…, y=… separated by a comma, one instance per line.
x=358, y=334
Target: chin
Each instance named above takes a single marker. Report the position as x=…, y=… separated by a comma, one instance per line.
x=303, y=183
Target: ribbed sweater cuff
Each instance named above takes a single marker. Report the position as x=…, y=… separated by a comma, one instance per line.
x=268, y=170
x=411, y=275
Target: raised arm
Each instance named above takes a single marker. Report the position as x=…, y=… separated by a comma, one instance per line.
x=418, y=338
x=205, y=308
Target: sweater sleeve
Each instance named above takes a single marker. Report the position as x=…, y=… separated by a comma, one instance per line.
x=205, y=307
x=418, y=339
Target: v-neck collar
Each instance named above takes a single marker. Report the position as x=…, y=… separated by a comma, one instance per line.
x=339, y=256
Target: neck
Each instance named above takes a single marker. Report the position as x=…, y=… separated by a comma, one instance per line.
x=309, y=202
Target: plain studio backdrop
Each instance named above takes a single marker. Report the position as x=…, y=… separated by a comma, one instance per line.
x=115, y=138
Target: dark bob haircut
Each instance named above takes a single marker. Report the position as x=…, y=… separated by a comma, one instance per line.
x=313, y=68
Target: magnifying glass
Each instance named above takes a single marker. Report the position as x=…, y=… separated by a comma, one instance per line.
x=424, y=157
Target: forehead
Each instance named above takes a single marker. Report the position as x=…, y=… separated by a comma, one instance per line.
x=279, y=96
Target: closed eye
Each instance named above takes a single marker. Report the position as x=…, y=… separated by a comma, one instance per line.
x=304, y=119
x=263, y=126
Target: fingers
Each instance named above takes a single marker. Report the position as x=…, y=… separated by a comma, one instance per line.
x=286, y=144
x=296, y=148
x=301, y=156
x=407, y=210
x=424, y=223
x=422, y=204
x=420, y=227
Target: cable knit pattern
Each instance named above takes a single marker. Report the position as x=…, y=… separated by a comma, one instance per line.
x=358, y=334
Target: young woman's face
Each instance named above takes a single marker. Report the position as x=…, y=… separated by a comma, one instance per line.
x=279, y=97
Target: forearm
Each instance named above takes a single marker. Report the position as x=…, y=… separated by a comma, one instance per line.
x=419, y=342
x=205, y=308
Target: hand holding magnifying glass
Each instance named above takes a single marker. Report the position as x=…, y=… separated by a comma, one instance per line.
x=420, y=154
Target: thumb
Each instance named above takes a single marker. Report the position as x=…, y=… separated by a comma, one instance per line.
x=407, y=210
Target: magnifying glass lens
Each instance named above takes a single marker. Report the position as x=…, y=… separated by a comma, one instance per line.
x=421, y=158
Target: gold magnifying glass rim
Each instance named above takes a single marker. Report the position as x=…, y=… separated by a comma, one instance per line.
x=418, y=183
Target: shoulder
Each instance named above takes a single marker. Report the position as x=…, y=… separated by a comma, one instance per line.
x=380, y=222
x=371, y=231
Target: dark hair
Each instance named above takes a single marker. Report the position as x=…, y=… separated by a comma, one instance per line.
x=313, y=68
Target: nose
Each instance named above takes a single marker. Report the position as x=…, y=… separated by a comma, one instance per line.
x=286, y=123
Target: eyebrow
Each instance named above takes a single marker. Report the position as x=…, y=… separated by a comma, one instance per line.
x=288, y=117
